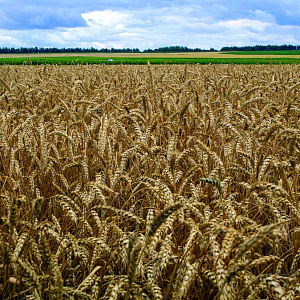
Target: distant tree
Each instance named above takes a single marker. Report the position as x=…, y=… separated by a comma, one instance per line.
x=261, y=48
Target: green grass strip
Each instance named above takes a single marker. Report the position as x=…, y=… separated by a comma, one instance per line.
x=143, y=60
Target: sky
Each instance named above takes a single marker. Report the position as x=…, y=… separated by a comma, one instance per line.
x=148, y=24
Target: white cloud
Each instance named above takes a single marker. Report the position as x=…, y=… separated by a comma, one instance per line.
x=263, y=16
x=127, y=34
x=243, y=25
x=107, y=18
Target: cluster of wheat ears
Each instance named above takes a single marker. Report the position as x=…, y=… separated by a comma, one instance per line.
x=149, y=182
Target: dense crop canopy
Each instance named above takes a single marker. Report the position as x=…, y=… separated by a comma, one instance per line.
x=149, y=182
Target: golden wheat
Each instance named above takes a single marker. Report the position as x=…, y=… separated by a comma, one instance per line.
x=149, y=182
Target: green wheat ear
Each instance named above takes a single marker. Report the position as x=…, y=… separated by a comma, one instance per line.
x=211, y=181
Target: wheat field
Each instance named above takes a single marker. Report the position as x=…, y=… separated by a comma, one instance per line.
x=149, y=182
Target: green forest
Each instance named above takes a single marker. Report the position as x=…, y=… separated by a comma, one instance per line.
x=21, y=50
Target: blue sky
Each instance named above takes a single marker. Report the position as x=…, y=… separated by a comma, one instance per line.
x=148, y=24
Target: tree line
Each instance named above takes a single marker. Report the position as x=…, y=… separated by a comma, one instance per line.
x=177, y=49
x=103, y=50
x=8, y=50
x=261, y=48
x=66, y=50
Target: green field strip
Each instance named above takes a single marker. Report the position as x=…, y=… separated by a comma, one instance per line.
x=143, y=60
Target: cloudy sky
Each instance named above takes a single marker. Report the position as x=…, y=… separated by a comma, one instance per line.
x=148, y=24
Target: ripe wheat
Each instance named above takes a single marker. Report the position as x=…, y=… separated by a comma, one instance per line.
x=149, y=182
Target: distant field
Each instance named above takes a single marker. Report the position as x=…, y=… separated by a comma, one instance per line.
x=280, y=52
x=153, y=59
